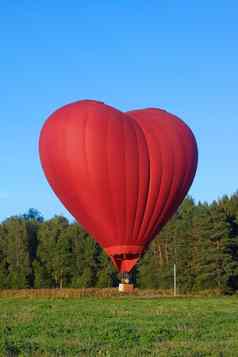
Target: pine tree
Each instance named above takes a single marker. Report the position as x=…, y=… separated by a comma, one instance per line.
x=33, y=219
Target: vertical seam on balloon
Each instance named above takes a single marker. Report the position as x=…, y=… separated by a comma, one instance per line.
x=177, y=193
x=169, y=188
x=147, y=186
x=63, y=144
x=146, y=231
x=195, y=158
x=115, y=221
x=125, y=185
x=85, y=148
x=134, y=125
x=187, y=178
x=193, y=166
x=66, y=136
x=183, y=189
x=59, y=148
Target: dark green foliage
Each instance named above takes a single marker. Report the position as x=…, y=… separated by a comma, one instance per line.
x=84, y=251
x=149, y=269
x=201, y=240
x=107, y=274
x=3, y=260
x=54, y=252
x=15, y=243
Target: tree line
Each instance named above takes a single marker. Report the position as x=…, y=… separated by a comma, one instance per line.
x=201, y=239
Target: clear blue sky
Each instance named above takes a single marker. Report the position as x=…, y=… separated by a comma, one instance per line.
x=178, y=55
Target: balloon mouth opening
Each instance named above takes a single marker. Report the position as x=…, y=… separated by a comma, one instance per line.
x=125, y=257
x=125, y=262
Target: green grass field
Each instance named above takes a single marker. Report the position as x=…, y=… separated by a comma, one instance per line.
x=127, y=326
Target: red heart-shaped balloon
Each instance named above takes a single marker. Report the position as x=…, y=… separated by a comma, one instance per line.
x=121, y=175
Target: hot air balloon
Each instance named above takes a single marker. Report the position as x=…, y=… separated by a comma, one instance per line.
x=121, y=175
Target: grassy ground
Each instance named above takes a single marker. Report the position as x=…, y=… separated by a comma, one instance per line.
x=127, y=326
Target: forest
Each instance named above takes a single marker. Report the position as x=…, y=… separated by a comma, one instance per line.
x=201, y=239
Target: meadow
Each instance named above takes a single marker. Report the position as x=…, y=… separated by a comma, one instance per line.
x=119, y=326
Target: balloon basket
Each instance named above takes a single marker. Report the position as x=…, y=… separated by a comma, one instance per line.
x=126, y=288
x=126, y=285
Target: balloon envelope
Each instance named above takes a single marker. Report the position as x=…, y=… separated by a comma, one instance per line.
x=121, y=175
